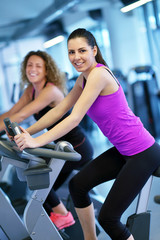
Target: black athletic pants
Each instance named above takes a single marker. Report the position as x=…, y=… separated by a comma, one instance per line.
x=130, y=174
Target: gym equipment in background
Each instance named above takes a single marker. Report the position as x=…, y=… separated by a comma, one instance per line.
x=139, y=223
x=143, y=97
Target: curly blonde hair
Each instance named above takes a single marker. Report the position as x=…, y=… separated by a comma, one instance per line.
x=54, y=74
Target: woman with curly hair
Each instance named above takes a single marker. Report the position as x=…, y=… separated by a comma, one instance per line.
x=44, y=80
x=45, y=89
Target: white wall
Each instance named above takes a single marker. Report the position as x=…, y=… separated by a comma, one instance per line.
x=10, y=59
x=129, y=45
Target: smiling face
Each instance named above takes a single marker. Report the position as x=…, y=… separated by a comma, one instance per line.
x=81, y=55
x=35, y=69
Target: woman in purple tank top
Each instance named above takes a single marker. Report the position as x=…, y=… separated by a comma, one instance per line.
x=132, y=159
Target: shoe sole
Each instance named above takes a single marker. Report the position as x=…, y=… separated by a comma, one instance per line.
x=66, y=225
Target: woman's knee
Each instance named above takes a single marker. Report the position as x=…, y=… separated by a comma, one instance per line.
x=78, y=193
x=77, y=183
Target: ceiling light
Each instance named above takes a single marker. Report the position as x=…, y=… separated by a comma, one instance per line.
x=53, y=41
x=134, y=5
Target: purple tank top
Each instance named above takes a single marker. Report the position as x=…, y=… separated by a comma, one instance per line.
x=119, y=124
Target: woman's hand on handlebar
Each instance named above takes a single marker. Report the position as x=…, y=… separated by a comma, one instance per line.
x=24, y=140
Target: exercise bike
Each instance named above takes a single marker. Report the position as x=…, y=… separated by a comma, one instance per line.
x=39, y=167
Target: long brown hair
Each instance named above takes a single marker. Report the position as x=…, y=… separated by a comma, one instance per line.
x=54, y=74
x=83, y=33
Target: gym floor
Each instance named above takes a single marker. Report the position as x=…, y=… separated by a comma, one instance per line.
x=100, y=144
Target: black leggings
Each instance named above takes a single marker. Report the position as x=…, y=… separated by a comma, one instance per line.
x=86, y=151
x=131, y=173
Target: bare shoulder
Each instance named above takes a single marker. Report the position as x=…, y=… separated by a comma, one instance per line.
x=102, y=79
x=101, y=72
x=28, y=92
x=99, y=76
x=50, y=88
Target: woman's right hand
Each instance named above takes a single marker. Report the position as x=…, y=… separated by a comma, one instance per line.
x=25, y=140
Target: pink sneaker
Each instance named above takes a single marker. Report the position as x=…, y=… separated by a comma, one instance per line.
x=62, y=221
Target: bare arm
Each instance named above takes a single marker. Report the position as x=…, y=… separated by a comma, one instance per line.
x=57, y=112
x=94, y=86
x=26, y=107
x=25, y=99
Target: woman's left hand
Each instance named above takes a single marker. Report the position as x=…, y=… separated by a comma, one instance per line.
x=24, y=140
